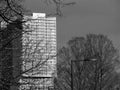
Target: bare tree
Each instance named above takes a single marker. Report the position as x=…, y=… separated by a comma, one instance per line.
x=23, y=56
x=6, y=50
x=88, y=75
x=12, y=9
x=59, y=5
x=12, y=12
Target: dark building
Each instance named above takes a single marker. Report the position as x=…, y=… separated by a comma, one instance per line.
x=10, y=55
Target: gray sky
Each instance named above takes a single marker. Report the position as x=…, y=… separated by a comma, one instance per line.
x=87, y=16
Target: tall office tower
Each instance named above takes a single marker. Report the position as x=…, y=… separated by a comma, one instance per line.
x=38, y=52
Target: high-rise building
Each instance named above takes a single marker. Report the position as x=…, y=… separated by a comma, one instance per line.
x=37, y=60
x=38, y=52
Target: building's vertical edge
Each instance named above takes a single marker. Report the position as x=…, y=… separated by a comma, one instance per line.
x=51, y=27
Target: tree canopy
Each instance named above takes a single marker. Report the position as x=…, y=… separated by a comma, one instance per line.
x=99, y=74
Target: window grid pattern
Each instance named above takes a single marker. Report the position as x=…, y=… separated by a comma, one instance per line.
x=39, y=49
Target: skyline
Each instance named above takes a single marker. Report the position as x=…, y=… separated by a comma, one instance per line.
x=60, y=45
x=95, y=16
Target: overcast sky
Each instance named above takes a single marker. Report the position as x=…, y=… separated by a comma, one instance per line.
x=87, y=16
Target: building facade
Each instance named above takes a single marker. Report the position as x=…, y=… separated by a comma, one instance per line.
x=38, y=52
